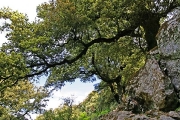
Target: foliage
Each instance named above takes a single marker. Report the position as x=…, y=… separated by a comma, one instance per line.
x=64, y=112
x=80, y=39
x=21, y=100
x=95, y=105
x=70, y=32
x=12, y=69
x=178, y=109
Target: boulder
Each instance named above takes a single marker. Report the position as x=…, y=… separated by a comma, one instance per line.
x=175, y=115
x=164, y=117
x=149, y=115
x=152, y=88
x=117, y=115
x=168, y=40
x=157, y=84
x=155, y=89
x=140, y=117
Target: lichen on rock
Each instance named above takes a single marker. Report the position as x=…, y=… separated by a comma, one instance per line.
x=168, y=37
x=168, y=40
x=153, y=87
x=157, y=84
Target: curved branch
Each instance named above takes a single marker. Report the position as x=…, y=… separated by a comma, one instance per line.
x=83, y=52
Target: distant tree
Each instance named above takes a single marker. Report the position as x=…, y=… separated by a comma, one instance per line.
x=63, y=112
x=95, y=105
x=19, y=101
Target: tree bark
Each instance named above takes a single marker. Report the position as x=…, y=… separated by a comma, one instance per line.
x=151, y=27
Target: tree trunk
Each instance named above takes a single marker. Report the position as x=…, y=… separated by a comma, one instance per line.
x=151, y=26
x=119, y=90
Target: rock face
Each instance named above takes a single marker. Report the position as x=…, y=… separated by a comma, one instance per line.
x=157, y=84
x=127, y=115
x=169, y=48
x=156, y=87
x=152, y=88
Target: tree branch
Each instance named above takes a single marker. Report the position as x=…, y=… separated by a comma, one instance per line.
x=83, y=52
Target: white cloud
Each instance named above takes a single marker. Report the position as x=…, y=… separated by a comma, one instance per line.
x=77, y=89
x=2, y=39
x=24, y=6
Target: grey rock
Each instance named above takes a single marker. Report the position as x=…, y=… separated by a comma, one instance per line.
x=153, y=87
x=140, y=117
x=174, y=115
x=164, y=117
x=169, y=37
x=168, y=40
x=156, y=86
x=117, y=115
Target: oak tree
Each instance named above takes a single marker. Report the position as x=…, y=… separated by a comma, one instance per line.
x=79, y=39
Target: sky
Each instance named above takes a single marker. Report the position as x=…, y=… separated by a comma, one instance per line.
x=77, y=89
x=24, y=6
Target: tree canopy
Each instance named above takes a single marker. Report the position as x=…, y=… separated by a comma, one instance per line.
x=21, y=100
x=79, y=39
x=90, y=109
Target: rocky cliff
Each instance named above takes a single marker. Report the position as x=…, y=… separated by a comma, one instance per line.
x=154, y=92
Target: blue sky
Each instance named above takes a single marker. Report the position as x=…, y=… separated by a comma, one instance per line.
x=78, y=89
